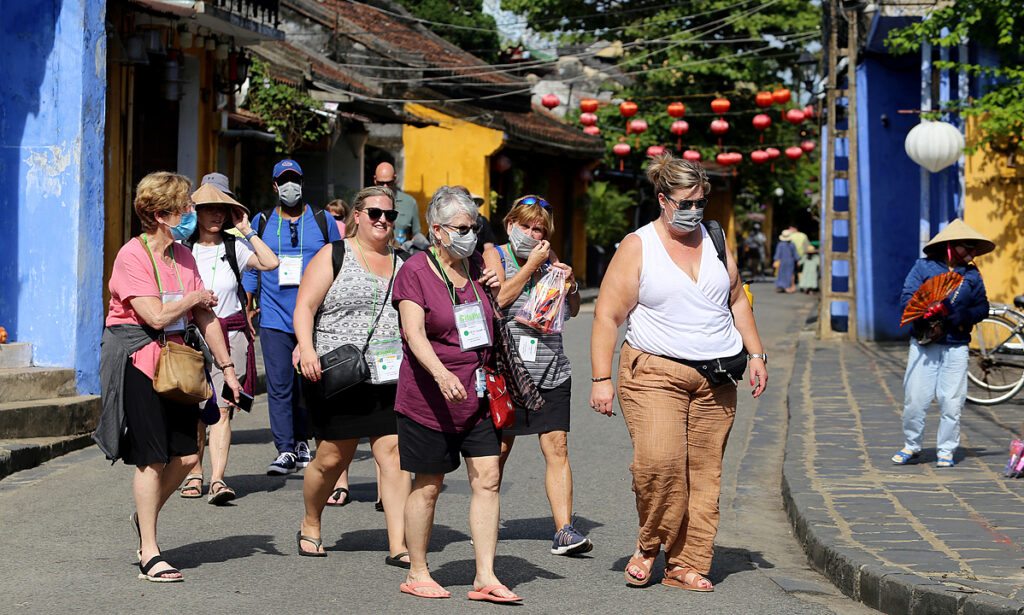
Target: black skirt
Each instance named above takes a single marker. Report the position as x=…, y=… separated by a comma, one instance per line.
x=553, y=415
x=158, y=428
x=363, y=411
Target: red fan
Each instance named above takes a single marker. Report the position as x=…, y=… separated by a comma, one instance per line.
x=933, y=291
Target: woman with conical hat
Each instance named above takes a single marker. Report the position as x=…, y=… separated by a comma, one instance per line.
x=937, y=363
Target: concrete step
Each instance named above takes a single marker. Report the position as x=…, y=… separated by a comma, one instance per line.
x=32, y=383
x=15, y=355
x=24, y=453
x=59, y=416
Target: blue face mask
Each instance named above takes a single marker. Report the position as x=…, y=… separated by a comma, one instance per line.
x=186, y=227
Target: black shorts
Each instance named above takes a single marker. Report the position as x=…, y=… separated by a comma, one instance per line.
x=552, y=416
x=158, y=428
x=363, y=411
x=425, y=451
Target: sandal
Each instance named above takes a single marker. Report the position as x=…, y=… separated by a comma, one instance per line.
x=944, y=462
x=159, y=577
x=220, y=496
x=317, y=542
x=644, y=564
x=397, y=561
x=904, y=457
x=190, y=491
x=677, y=578
x=336, y=496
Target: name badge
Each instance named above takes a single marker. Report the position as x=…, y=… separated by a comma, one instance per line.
x=178, y=325
x=528, y=348
x=289, y=273
x=384, y=358
x=471, y=325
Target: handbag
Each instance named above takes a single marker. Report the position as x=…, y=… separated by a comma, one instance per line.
x=180, y=374
x=502, y=412
x=522, y=390
x=345, y=366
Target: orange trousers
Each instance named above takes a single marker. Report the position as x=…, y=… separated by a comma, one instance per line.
x=679, y=425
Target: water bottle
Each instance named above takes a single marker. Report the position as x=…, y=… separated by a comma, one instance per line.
x=481, y=382
x=400, y=235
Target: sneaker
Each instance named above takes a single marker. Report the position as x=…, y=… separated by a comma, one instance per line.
x=302, y=455
x=570, y=542
x=284, y=464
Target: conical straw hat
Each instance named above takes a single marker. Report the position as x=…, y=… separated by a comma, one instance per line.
x=208, y=194
x=958, y=230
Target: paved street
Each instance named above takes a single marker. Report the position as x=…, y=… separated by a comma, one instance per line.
x=67, y=544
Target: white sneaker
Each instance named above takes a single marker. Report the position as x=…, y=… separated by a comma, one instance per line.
x=284, y=464
x=302, y=455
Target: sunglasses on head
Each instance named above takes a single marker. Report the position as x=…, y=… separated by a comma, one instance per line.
x=462, y=230
x=375, y=213
x=533, y=200
x=687, y=203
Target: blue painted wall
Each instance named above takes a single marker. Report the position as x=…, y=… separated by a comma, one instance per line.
x=52, y=92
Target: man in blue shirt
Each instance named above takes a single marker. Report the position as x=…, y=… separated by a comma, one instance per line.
x=296, y=232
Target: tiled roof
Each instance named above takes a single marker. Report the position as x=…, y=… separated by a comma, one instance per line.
x=543, y=130
x=288, y=63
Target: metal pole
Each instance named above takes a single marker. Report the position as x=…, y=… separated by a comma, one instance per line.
x=926, y=104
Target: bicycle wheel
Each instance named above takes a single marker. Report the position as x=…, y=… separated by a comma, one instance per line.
x=995, y=371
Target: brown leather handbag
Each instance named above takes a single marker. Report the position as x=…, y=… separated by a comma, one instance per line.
x=180, y=374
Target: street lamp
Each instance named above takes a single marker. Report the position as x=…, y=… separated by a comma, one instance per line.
x=806, y=66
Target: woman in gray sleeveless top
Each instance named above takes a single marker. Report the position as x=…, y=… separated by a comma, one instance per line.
x=525, y=259
x=338, y=308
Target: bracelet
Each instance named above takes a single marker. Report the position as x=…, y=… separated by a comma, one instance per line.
x=600, y=379
x=575, y=288
x=249, y=235
x=225, y=366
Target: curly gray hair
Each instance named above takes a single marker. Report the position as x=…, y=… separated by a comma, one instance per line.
x=447, y=203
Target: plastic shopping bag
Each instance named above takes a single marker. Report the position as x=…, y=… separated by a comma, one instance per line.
x=545, y=308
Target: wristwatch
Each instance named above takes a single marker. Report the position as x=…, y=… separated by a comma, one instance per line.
x=763, y=356
x=249, y=235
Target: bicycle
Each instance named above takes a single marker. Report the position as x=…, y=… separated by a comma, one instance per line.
x=995, y=370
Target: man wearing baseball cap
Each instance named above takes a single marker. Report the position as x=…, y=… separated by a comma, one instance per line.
x=295, y=232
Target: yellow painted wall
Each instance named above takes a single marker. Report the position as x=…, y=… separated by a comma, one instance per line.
x=453, y=153
x=995, y=207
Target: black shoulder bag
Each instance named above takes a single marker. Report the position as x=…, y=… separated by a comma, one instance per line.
x=345, y=366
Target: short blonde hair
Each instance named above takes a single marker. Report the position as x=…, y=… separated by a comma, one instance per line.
x=524, y=213
x=359, y=204
x=667, y=173
x=161, y=192
x=338, y=207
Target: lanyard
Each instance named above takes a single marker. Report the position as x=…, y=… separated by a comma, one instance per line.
x=448, y=283
x=302, y=231
x=515, y=263
x=376, y=282
x=174, y=263
x=216, y=257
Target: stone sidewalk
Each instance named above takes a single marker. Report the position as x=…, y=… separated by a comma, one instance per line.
x=901, y=539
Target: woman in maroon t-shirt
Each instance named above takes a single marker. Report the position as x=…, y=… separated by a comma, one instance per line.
x=447, y=327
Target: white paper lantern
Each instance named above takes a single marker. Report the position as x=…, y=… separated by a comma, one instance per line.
x=934, y=145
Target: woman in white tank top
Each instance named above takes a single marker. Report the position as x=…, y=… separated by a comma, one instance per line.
x=688, y=319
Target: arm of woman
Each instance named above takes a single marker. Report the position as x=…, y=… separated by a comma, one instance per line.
x=620, y=291
x=207, y=322
x=159, y=315
x=263, y=258
x=316, y=281
x=414, y=331
x=492, y=261
x=743, y=316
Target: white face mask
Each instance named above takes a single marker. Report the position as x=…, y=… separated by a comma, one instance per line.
x=290, y=194
x=686, y=220
x=461, y=246
x=521, y=243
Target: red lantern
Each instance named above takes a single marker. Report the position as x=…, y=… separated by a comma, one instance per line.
x=592, y=130
x=692, y=155
x=724, y=159
x=637, y=127
x=758, y=157
x=588, y=105
x=676, y=109
x=719, y=127
x=720, y=105
x=680, y=128
x=588, y=119
x=628, y=109
x=655, y=150
x=502, y=163
x=772, y=153
x=764, y=99
x=621, y=150
x=809, y=111
x=780, y=96
x=795, y=116
x=794, y=153
x=736, y=157
x=761, y=121
x=550, y=101
x=807, y=146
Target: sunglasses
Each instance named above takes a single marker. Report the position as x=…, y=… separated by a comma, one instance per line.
x=533, y=200
x=389, y=183
x=463, y=230
x=293, y=230
x=375, y=213
x=687, y=203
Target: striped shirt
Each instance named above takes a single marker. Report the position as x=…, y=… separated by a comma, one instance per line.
x=551, y=367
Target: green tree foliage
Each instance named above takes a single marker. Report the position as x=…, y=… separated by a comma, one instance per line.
x=997, y=25
x=607, y=213
x=290, y=114
x=478, y=32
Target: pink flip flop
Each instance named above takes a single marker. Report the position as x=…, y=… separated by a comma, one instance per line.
x=414, y=589
x=487, y=593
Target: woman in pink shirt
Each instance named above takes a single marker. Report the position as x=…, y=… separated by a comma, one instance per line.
x=155, y=289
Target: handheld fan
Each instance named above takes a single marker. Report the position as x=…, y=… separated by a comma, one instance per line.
x=934, y=290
